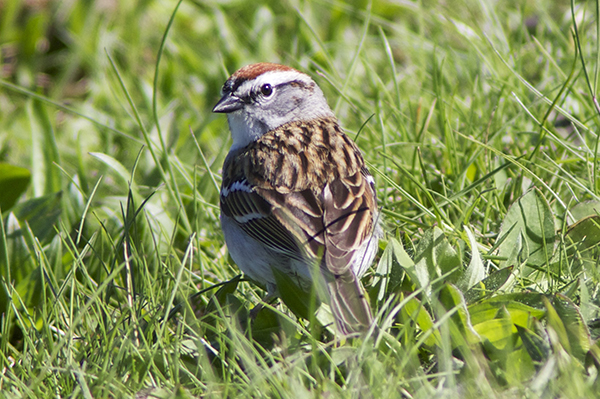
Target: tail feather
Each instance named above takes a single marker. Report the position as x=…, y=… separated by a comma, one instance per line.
x=349, y=304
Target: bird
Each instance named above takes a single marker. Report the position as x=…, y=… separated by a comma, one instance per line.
x=296, y=194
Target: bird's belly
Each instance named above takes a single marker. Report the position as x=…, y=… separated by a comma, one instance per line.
x=257, y=260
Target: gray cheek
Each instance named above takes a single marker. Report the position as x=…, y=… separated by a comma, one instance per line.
x=290, y=107
x=279, y=110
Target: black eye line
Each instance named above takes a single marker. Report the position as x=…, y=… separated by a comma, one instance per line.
x=254, y=94
x=258, y=91
x=231, y=85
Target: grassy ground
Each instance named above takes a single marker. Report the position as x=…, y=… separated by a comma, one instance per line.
x=478, y=119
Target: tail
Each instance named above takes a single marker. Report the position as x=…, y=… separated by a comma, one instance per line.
x=349, y=304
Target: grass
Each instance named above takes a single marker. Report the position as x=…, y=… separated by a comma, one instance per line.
x=479, y=122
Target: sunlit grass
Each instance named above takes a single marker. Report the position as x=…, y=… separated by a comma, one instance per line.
x=478, y=123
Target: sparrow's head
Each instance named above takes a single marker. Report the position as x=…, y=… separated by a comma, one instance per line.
x=261, y=97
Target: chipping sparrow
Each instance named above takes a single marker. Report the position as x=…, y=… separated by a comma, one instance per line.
x=296, y=190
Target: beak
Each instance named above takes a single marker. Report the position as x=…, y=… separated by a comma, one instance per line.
x=228, y=103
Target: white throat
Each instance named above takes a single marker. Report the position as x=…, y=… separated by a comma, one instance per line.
x=244, y=129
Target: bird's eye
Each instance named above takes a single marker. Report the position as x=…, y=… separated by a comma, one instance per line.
x=266, y=90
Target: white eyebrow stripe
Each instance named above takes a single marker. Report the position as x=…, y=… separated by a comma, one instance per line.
x=241, y=185
x=273, y=78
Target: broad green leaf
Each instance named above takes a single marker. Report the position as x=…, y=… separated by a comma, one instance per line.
x=206, y=314
x=13, y=182
x=447, y=259
x=537, y=347
x=587, y=308
x=226, y=289
x=198, y=309
x=33, y=281
x=461, y=329
x=414, y=310
x=390, y=269
x=475, y=271
x=557, y=325
x=577, y=332
x=41, y=214
x=488, y=285
x=585, y=233
x=18, y=254
x=531, y=299
x=583, y=244
x=498, y=331
x=592, y=358
x=585, y=209
x=519, y=312
x=518, y=367
x=295, y=298
x=268, y=324
x=528, y=232
x=497, y=279
x=435, y=258
x=233, y=306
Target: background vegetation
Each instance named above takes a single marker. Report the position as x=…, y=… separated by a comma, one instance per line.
x=479, y=121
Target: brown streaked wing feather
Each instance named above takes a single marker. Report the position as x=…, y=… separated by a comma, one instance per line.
x=349, y=206
x=307, y=207
x=263, y=225
x=348, y=214
x=333, y=194
x=301, y=214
